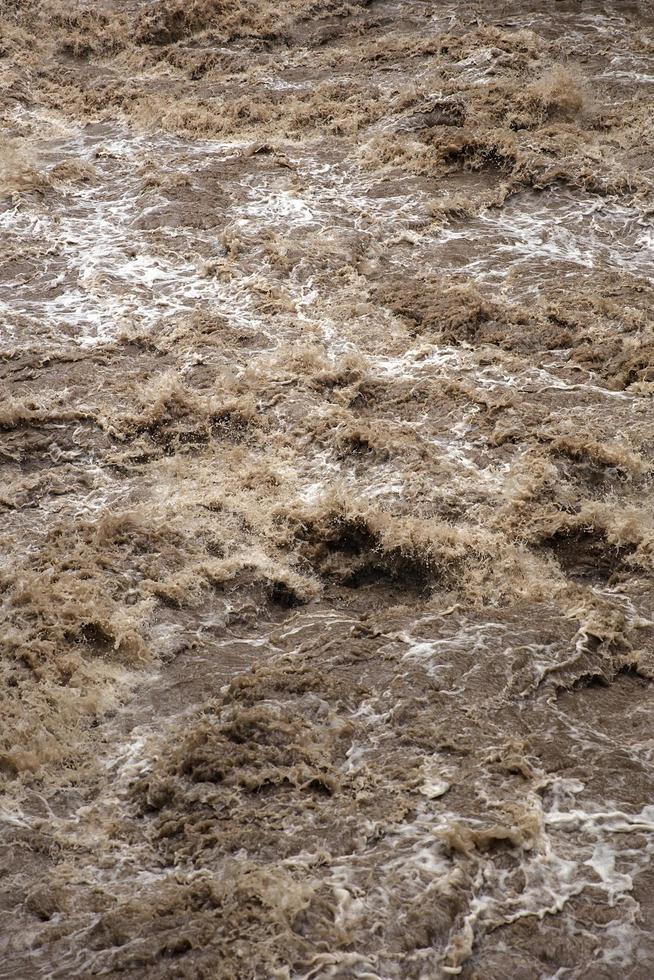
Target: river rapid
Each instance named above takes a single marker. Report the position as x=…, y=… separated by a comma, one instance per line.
x=326, y=448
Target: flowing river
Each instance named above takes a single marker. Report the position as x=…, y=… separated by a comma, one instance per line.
x=327, y=537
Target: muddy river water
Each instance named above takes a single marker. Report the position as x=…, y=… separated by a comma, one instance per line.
x=326, y=454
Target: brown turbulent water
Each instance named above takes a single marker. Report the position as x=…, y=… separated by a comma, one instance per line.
x=327, y=538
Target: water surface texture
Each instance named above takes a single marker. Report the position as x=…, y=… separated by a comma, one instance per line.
x=327, y=535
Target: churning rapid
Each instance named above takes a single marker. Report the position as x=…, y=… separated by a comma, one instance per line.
x=327, y=445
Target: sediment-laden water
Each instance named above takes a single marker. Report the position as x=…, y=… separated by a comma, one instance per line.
x=327, y=538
